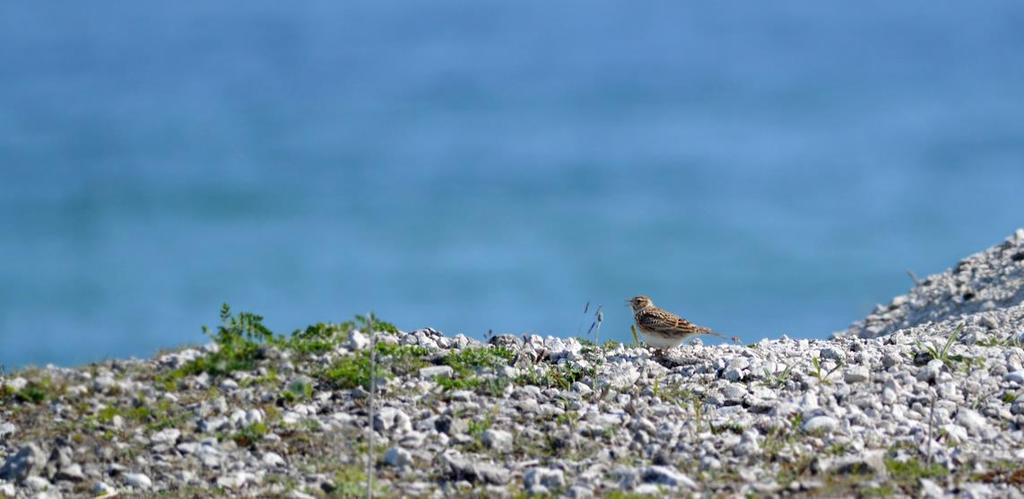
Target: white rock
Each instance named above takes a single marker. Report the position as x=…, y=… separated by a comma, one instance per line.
x=28, y=461
x=581, y=388
x=971, y=419
x=102, y=489
x=137, y=480
x=7, y=429
x=498, y=440
x=167, y=436
x=213, y=424
x=393, y=420
x=235, y=480
x=618, y=376
x=398, y=457
x=253, y=416
x=547, y=478
x=16, y=384
x=821, y=423
x=856, y=374
x=664, y=475
x=71, y=473
x=1015, y=377
x=37, y=483
x=273, y=459
x=733, y=374
x=357, y=341
x=435, y=372
x=930, y=489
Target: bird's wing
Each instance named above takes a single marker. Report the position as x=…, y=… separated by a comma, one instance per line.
x=662, y=320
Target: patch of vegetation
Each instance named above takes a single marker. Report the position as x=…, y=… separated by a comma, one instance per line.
x=319, y=338
x=1008, y=472
x=942, y=353
x=155, y=416
x=492, y=386
x=324, y=336
x=350, y=482
x=908, y=474
x=240, y=340
x=466, y=365
x=778, y=380
x=34, y=392
x=469, y=361
x=730, y=426
x=298, y=390
x=248, y=436
x=823, y=376
x=618, y=494
x=884, y=490
x=1009, y=397
x=353, y=370
x=560, y=376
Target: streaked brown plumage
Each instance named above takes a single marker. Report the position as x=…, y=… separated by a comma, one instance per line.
x=661, y=328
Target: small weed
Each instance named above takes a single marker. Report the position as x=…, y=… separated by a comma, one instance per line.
x=884, y=490
x=636, y=337
x=350, y=481
x=491, y=386
x=319, y=338
x=469, y=361
x=731, y=427
x=560, y=376
x=353, y=370
x=821, y=375
x=777, y=380
x=240, y=340
x=611, y=345
x=910, y=472
x=942, y=353
x=34, y=392
x=838, y=449
x=248, y=436
x=1009, y=397
x=298, y=390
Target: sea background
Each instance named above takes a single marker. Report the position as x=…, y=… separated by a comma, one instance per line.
x=762, y=168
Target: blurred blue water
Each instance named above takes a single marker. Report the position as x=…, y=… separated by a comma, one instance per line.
x=764, y=169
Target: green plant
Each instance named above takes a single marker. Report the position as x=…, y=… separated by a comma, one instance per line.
x=560, y=376
x=319, y=338
x=909, y=473
x=823, y=376
x=298, y=390
x=942, y=353
x=240, y=340
x=249, y=435
x=776, y=380
x=492, y=385
x=469, y=360
x=353, y=370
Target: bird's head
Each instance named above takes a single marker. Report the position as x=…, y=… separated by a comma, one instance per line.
x=640, y=302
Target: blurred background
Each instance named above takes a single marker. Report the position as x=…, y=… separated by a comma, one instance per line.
x=473, y=166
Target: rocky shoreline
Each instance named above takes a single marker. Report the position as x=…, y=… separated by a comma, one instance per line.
x=925, y=397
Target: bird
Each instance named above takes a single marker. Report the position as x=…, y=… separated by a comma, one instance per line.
x=662, y=329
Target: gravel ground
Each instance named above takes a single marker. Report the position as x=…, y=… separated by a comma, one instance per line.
x=925, y=397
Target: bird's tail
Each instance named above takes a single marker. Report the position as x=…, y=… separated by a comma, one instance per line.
x=734, y=339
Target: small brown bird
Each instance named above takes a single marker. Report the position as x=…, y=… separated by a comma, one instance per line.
x=663, y=329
